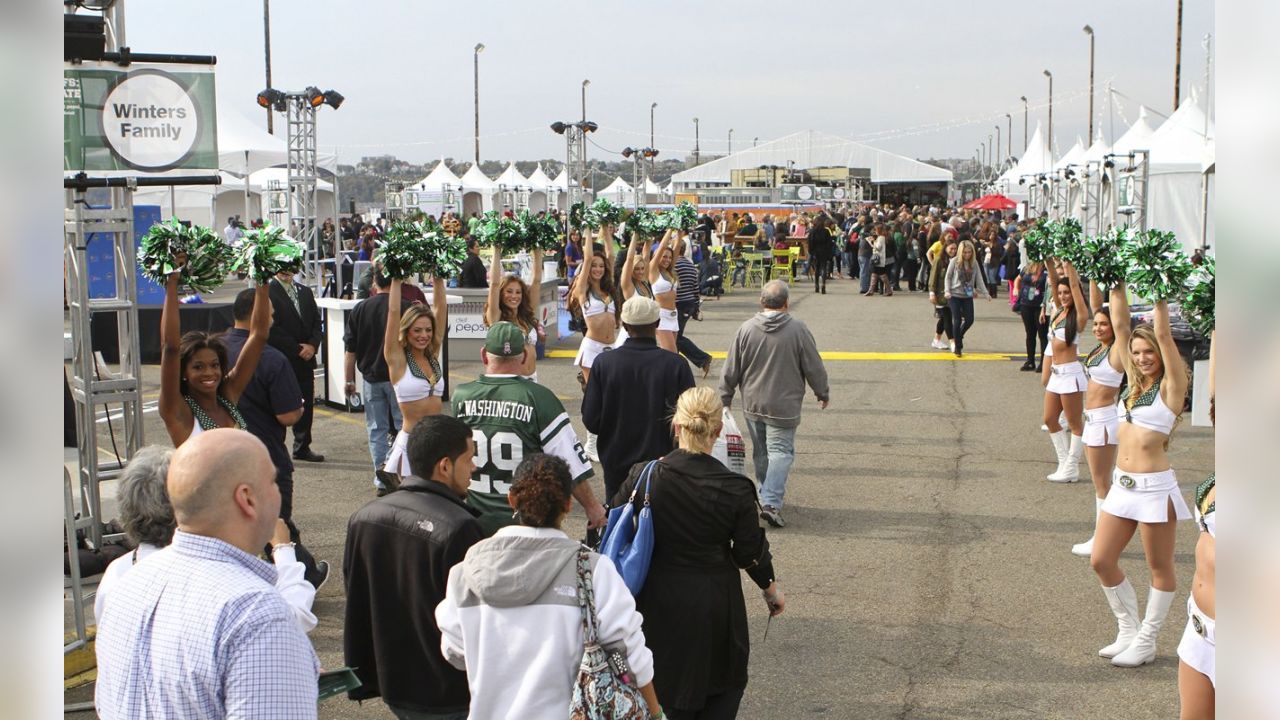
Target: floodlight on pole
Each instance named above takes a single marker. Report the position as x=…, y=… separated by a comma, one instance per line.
x=730, y=142
x=1089, y=31
x=695, y=141
x=585, y=83
x=1026, y=110
x=1050, y=76
x=475, y=60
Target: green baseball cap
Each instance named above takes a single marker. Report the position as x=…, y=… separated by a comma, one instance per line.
x=504, y=339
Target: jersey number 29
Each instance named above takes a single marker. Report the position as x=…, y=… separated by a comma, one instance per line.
x=499, y=455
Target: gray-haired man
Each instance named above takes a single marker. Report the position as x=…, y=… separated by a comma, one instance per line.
x=771, y=359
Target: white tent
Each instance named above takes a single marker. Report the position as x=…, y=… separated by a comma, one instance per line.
x=244, y=147
x=511, y=177
x=619, y=191
x=1036, y=159
x=1097, y=151
x=435, y=181
x=538, y=179
x=1181, y=186
x=811, y=149
x=1137, y=137
x=477, y=191
x=538, y=184
x=1074, y=156
x=561, y=183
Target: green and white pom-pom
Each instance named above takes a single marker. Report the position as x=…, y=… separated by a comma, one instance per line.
x=602, y=212
x=1102, y=259
x=576, y=215
x=403, y=251
x=495, y=229
x=1158, y=269
x=208, y=255
x=646, y=222
x=1065, y=236
x=538, y=233
x=1036, y=244
x=683, y=217
x=1199, y=303
x=442, y=254
x=266, y=251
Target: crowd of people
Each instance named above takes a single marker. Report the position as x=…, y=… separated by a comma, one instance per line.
x=464, y=596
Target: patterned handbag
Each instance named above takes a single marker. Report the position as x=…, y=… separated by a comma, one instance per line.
x=599, y=693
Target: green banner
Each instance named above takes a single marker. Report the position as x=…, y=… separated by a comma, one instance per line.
x=146, y=118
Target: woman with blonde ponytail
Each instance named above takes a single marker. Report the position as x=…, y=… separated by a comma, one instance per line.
x=705, y=529
x=1144, y=494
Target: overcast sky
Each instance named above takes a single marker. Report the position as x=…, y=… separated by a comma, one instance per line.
x=922, y=79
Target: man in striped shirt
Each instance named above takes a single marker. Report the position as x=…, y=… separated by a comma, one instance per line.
x=686, y=307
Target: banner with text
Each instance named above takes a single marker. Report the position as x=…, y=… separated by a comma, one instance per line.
x=144, y=117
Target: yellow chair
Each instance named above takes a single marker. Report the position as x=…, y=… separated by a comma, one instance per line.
x=784, y=263
x=755, y=268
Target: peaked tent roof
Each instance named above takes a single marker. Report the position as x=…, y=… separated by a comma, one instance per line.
x=812, y=148
x=618, y=186
x=538, y=180
x=1098, y=150
x=261, y=180
x=1035, y=159
x=439, y=176
x=1137, y=137
x=474, y=180
x=1074, y=156
x=651, y=188
x=244, y=147
x=511, y=177
x=1181, y=142
x=561, y=182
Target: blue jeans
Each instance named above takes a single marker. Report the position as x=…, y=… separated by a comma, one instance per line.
x=961, y=318
x=773, y=450
x=864, y=274
x=381, y=411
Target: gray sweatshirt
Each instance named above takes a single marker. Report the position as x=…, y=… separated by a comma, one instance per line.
x=956, y=284
x=772, y=357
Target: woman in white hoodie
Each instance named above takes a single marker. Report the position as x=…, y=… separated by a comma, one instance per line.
x=511, y=617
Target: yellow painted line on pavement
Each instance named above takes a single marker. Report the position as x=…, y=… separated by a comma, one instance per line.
x=838, y=355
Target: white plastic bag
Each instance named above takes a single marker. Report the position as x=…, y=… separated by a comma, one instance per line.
x=730, y=449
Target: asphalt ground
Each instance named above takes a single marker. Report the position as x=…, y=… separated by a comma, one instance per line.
x=925, y=560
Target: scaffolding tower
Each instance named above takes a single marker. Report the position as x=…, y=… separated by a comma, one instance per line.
x=303, y=175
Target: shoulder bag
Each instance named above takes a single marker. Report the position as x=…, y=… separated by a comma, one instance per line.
x=605, y=688
x=628, y=536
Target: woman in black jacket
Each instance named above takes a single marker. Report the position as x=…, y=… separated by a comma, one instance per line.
x=706, y=528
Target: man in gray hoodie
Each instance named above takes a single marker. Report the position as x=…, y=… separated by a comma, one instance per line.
x=772, y=357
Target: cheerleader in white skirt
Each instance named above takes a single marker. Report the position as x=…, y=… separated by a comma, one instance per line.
x=1064, y=378
x=1144, y=494
x=1197, y=653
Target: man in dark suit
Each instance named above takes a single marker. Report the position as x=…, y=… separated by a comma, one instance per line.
x=295, y=331
x=632, y=395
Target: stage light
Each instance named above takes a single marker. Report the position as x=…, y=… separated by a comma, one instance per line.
x=627, y=152
x=650, y=153
x=588, y=126
x=272, y=98
x=558, y=127
x=1022, y=181
x=333, y=98
x=315, y=98
x=1109, y=163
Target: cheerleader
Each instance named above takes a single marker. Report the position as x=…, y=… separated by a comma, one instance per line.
x=411, y=347
x=510, y=299
x=1144, y=493
x=1105, y=371
x=663, y=281
x=593, y=293
x=1197, y=678
x=1064, y=379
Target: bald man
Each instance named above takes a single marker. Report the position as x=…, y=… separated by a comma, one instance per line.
x=198, y=629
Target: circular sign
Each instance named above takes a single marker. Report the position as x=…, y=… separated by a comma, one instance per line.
x=804, y=192
x=149, y=120
x=839, y=193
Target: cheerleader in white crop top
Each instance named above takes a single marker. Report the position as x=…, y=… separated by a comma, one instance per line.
x=1065, y=381
x=411, y=347
x=1104, y=368
x=512, y=300
x=1144, y=494
x=594, y=295
x=662, y=277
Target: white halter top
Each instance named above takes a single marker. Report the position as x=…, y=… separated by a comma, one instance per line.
x=414, y=384
x=1098, y=367
x=1149, y=411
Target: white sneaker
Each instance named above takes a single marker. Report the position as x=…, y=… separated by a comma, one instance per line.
x=937, y=344
x=953, y=346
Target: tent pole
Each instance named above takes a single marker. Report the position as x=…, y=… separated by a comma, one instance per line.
x=247, y=217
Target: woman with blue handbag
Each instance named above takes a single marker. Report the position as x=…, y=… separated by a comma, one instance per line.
x=705, y=529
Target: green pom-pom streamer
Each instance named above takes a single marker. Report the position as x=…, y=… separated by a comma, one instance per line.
x=541, y=233
x=442, y=254
x=208, y=255
x=1036, y=244
x=646, y=222
x=403, y=251
x=576, y=212
x=1198, y=304
x=1065, y=236
x=1158, y=269
x=267, y=250
x=1102, y=259
x=602, y=212
x=683, y=217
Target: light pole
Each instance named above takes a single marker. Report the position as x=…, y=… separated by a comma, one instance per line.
x=475, y=57
x=1009, y=146
x=755, y=140
x=1025, y=111
x=585, y=83
x=998, y=162
x=1089, y=31
x=982, y=160
x=1177, y=60
x=1050, y=76
x=266, y=43
x=730, y=142
x=695, y=142
x=651, y=109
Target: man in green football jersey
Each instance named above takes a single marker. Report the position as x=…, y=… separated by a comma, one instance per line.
x=512, y=418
